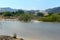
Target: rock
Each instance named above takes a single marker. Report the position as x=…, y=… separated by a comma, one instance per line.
x=21, y=39
x=2, y=37
x=15, y=36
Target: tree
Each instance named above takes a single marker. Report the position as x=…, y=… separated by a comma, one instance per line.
x=40, y=14
x=25, y=17
x=50, y=13
x=1, y=13
x=7, y=14
x=19, y=12
x=58, y=13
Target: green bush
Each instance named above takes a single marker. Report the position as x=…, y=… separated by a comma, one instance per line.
x=7, y=14
x=25, y=17
x=51, y=18
x=40, y=14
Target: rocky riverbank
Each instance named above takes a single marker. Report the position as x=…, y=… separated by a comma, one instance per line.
x=4, y=37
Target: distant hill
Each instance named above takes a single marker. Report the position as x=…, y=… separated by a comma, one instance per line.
x=7, y=9
x=54, y=10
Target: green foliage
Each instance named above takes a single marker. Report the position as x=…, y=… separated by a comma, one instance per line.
x=40, y=14
x=7, y=14
x=19, y=12
x=25, y=17
x=1, y=13
x=50, y=13
x=52, y=18
x=58, y=13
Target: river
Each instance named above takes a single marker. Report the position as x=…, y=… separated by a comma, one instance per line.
x=31, y=30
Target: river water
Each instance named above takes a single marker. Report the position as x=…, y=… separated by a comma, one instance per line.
x=31, y=30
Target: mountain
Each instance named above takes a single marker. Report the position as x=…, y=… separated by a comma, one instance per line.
x=7, y=9
x=54, y=10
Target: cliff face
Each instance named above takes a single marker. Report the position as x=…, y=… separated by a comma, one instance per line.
x=9, y=38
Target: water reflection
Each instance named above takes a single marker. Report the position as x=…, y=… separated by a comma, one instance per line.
x=31, y=30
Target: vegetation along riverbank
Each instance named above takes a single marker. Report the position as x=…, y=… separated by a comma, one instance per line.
x=14, y=37
x=23, y=16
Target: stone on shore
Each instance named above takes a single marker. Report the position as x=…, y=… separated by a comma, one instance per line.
x=2, y=37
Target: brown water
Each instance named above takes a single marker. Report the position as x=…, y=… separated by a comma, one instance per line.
x=31, y=30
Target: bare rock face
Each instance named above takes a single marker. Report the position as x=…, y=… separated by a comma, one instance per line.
x=2, y=37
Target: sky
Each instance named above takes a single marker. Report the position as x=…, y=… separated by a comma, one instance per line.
x=30, y=4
